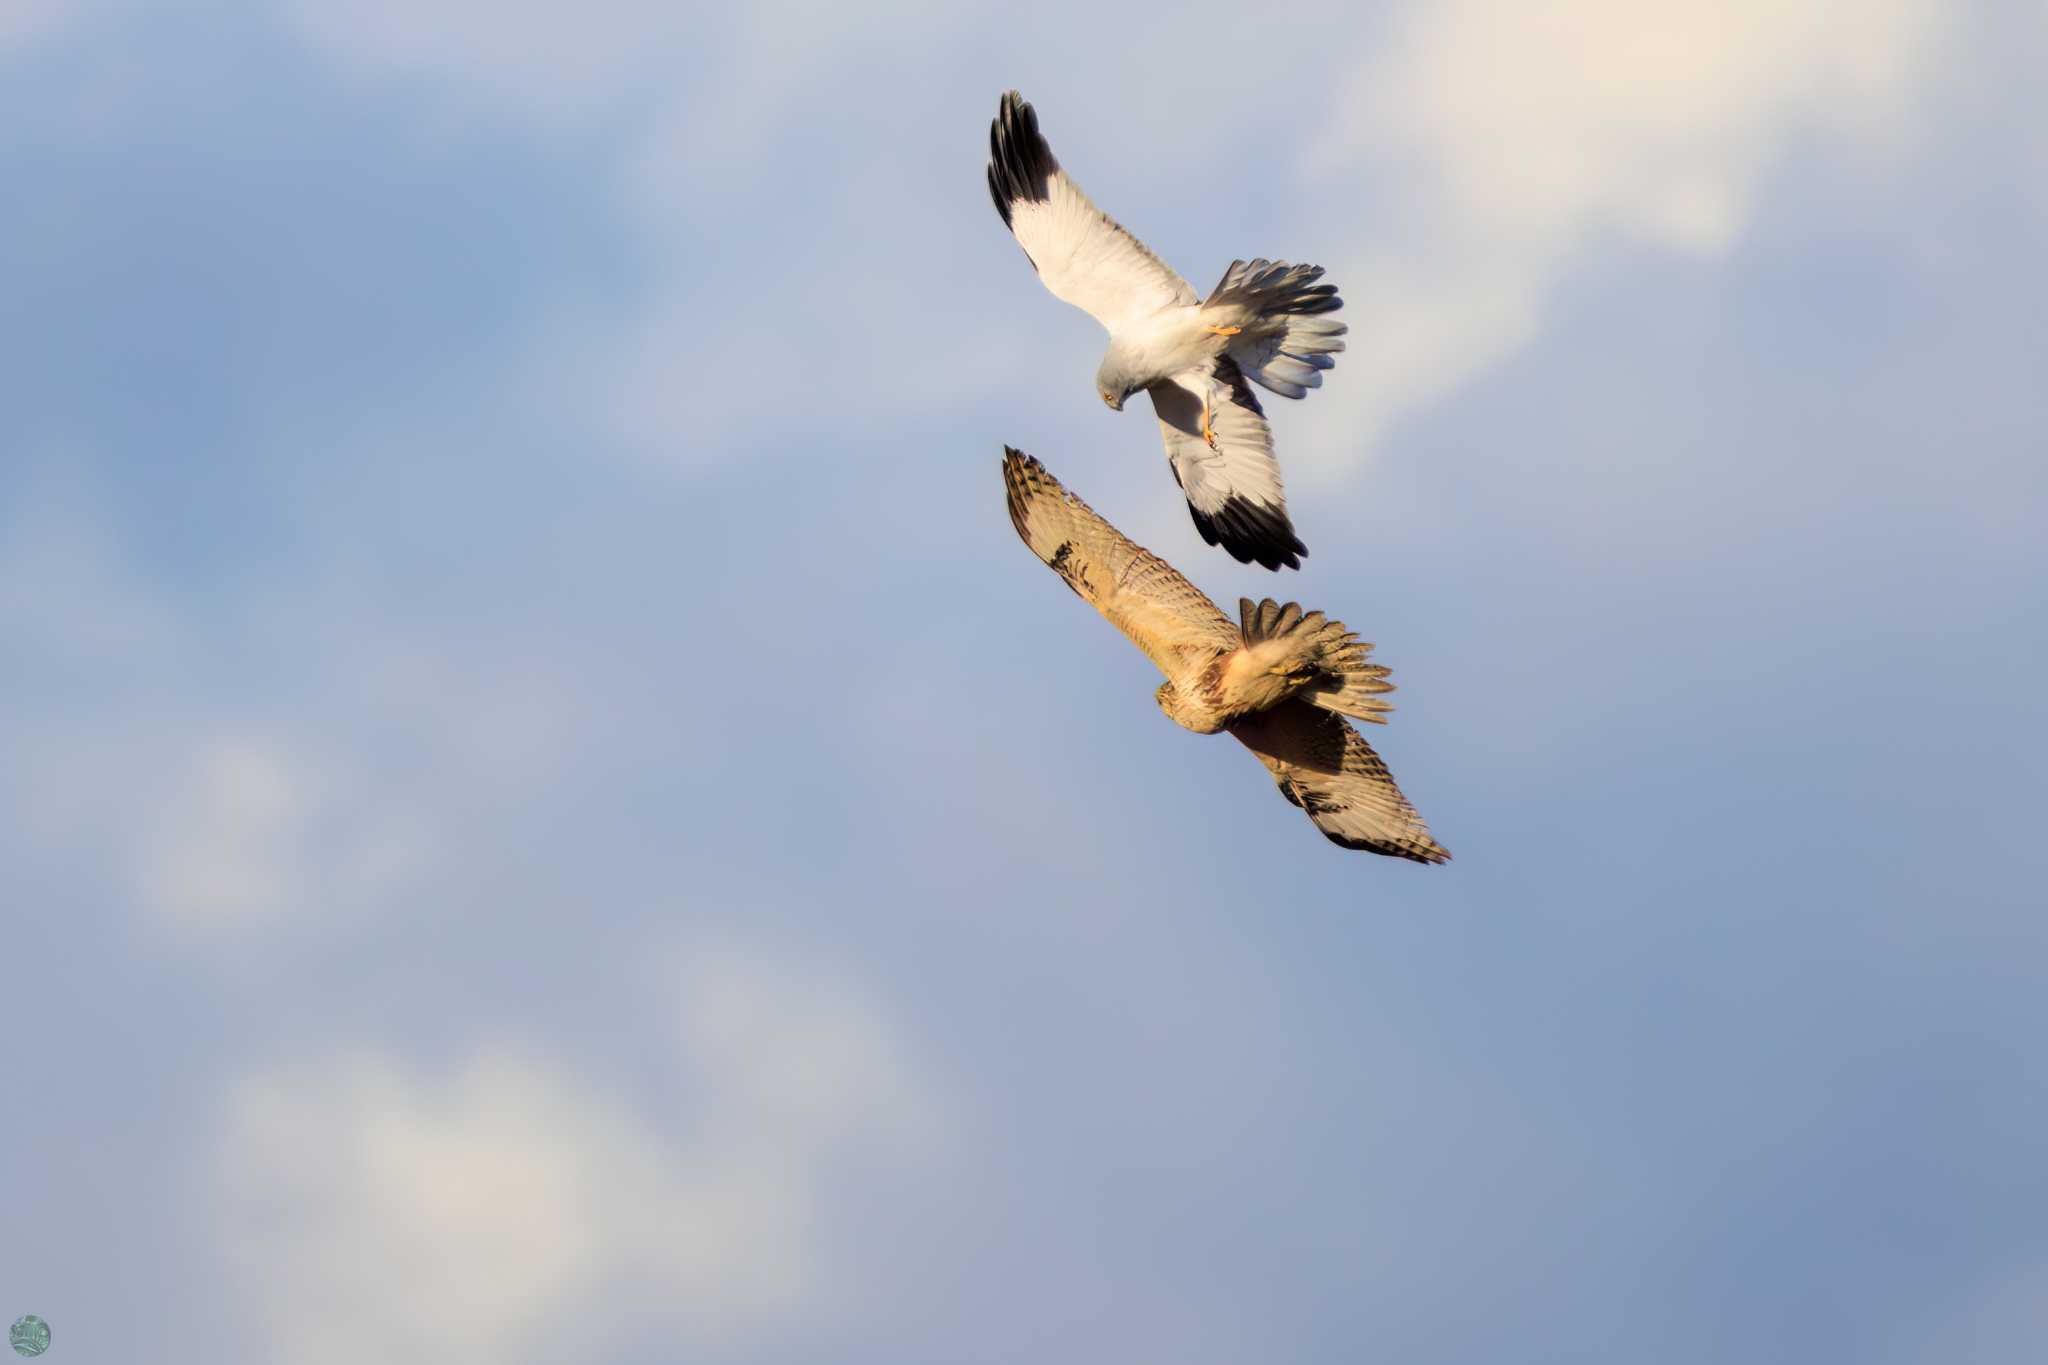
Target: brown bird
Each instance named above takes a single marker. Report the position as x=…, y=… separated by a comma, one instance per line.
x=1281, y=680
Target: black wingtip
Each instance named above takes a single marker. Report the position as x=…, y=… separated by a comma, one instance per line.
x=1251, y=533
x=1020, y=164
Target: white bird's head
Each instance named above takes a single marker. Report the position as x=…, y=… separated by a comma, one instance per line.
x=1114, y=382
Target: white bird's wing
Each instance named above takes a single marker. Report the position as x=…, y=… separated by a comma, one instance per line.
x=1079, y=251
x=1233, y=490
x=1143, y=596
x=1325, y=767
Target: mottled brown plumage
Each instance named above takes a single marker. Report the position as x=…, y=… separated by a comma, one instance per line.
x=1281, y=680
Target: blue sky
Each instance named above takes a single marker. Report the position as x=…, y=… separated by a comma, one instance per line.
x=547, y=809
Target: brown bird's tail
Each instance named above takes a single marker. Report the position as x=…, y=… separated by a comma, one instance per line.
x=1329, y=651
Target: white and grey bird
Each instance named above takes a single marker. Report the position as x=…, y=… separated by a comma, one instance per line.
x=1280, y=679
x=1265, y=322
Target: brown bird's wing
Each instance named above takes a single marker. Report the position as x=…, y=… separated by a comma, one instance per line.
x=1325, y=767
x=1142, y=595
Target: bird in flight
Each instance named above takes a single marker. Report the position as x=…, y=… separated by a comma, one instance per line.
x=1264, y=322
x=1280, y=679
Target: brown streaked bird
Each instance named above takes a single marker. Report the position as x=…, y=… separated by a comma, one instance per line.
x=1281, y=680
x=1265, y=322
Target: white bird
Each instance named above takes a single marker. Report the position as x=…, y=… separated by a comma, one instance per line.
x=1263, y=322
x=1281, y=680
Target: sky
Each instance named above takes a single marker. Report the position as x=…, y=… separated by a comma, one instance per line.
x=547, y=813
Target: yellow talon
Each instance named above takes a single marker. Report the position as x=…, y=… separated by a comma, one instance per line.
x=1224, y=331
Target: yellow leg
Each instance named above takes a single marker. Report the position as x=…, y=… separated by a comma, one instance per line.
x=1208, y=432
x=1224, y=331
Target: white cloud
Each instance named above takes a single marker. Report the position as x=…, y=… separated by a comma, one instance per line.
x=240, y=823
x=567, y=63
x=237, y=827
x=1482, y=146
x=694, y=104
x=797, y=1045
x=1511, y=134
x=291, y=762
x=140, y=754
x=455, y=1217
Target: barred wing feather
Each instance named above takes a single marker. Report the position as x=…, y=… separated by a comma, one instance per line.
x=1163, y=614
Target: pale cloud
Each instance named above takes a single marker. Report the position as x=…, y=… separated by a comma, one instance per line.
x=65, y=591
x=720, y=70
x=694, y=101
x=241, y=827
x=1510, y=135
x=346, y=795
x=138, y=756
x=799, y=1046
x=457, y=1215
x=1482, y=147
x=228, y=848
x=24, y=21
x=554, y=61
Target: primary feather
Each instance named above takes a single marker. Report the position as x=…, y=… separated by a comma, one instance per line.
x=1082, y=254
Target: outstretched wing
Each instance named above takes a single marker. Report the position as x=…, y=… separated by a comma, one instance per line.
x=1078, y=250
x=1323, y=766
x=1233, y=491
x=1141, y=594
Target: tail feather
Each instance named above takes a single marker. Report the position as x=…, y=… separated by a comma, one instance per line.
x=1287, y=342
x=1341, y=679
x=1268, y=288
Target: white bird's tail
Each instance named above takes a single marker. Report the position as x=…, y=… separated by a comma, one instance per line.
x=1285, y=344
x=1342, y=680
